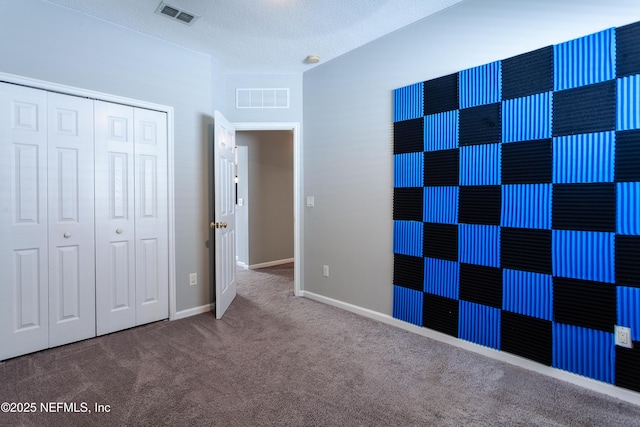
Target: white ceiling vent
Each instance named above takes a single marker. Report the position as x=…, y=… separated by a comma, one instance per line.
x=262, y=98
x=176, y=13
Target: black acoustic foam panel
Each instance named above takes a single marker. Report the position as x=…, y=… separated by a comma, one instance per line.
x=408, y=271
x=586, y=109
x=440, y=241
x=627, y=259
x=481, y=125
x=627, y=362
x=407, y=203
x=585, y=207
x=480, y=204
x=528, y=74
x=527, y=337
x=527, y=162
x=441, y=314
x=627, y=156
x=628, y=50
x=526, y=249
x=408, y=136
x=480, y=284
x=441, y=94
x=441, y=168
x=584, y=303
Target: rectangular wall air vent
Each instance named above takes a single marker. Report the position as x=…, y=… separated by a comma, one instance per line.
x=262, y=98
x=176, y=13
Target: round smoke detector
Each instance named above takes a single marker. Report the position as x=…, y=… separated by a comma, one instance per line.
x=312, y=59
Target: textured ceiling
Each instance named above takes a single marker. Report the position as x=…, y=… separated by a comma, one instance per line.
x=265, y=36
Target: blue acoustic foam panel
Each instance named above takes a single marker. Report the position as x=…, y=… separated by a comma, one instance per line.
x=441, y=131
x=407, y=271
x=583, y=351
x=408, y=136
x=480, y=164
x=585, y=109
x=441, y=168
x=528, y=162
x=481, y=125
x=408, y=102
x=441, y=94
x=628, y=305
x=407, y=203
x=584, y=303
x=585, y=61
x=528, y=74
x=626, y=260
x=480, y=85
x=441, y=314
x=482, y=285
x=480, y=204
x=628, y=206
x=584, y=158
x=527, y=337
x=526, y=249
x=627, y=156
x=627, y=103
x=526, y=206
x=517, y=204
x=585, y=255
x=527, y=118
x=407, y=238
x=479, y=324
x=479, y=244
x=408, y=305
x=584, y=207
x=440, y=241
x=442, y=277
x=526, y=293
x=441, y=205
x=628, y=50
x=408, y=170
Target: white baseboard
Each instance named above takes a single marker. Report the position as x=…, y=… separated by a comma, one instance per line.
x=588, y=383
x=271, y=263
x=193, y=311
x=242, y=265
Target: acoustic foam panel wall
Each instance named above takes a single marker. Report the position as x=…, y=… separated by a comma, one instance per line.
x=517, y=204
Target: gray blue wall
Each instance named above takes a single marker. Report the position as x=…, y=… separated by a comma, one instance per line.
x=51, y=43
x=348, y=125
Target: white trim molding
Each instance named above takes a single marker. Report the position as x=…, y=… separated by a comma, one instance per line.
x=588, y=383
x=271, y=263
x=183, y=314
x=298, y=179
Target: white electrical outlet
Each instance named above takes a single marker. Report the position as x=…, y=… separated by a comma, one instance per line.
x=193, y=279
x=623, y=336
x=325, y=270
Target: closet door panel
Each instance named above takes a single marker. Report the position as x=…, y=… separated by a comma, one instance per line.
x=24, y=311
x=151, y=216
x=115, y=219
x=71, y=219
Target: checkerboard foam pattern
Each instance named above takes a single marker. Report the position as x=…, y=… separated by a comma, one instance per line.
x=517, y=205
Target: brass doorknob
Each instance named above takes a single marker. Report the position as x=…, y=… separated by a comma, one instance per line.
x=223, y=225
x=213, y=225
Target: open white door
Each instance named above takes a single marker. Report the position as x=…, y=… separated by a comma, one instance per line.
x=223, y=224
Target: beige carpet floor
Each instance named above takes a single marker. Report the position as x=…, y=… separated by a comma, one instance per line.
x=279, y=360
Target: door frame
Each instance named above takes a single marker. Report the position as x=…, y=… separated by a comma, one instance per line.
x=298, y=175
x=86, y=93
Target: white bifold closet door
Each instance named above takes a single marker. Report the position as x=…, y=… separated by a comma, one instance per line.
x=83, y=218
x=72, y=283
x=47, y=282
x=131, y=217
